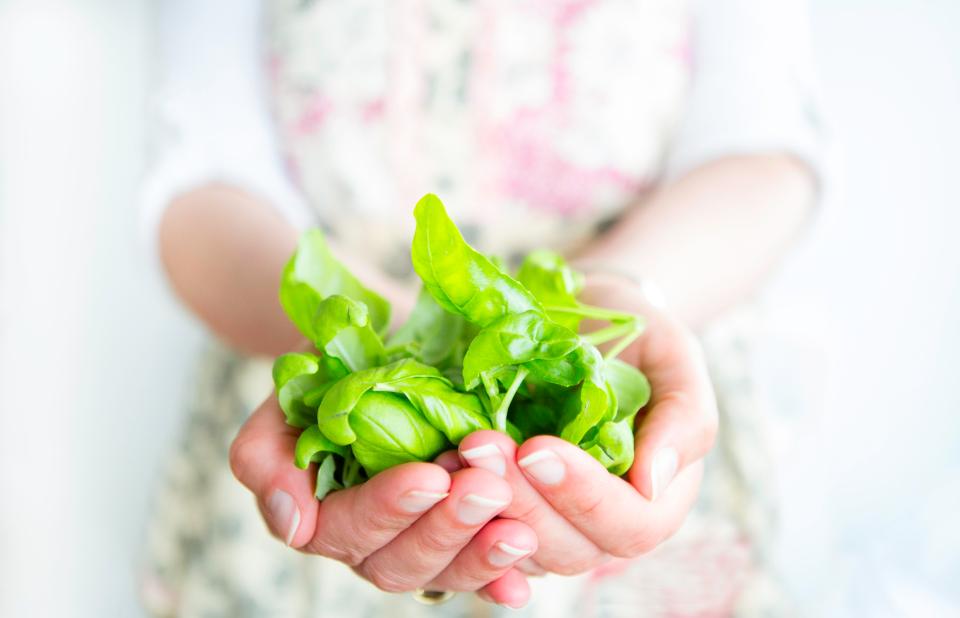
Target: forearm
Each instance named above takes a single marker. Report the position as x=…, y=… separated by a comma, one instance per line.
x=224, y=250
x=711, y=237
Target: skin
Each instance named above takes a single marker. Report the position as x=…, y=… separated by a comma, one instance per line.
x=708, y=239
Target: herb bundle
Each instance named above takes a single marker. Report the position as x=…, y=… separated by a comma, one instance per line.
x=480, y=350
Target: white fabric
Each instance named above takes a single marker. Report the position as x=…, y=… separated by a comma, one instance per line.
x=752, y=92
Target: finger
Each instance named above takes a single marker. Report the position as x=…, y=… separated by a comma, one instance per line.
x=603, y=507
x=679, y=425
x=421, y=552
x=261, y=457
x=449, y=461
x=500, y=545
x=562, y=548
x=356, y=522
x=511, y=590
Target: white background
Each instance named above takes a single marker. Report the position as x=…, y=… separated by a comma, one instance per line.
x=859, y=366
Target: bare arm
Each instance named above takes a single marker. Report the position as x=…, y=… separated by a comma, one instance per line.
x=224, y=249
x=709, y=238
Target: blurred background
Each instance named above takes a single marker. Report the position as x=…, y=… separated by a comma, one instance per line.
x=859, y=361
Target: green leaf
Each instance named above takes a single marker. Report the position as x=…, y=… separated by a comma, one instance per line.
x=613, y=446
x=341, y=399
x=311, y=446
x=516, y=339
x=287, y=366
x=454, y=413
x=390, y=431
x=313, y=274
x=435, y=332
x=630, y=387
x=459, y=278
x=548, y=277
x=297, y=378
x=533, y=418
x=326, y=477
x=342, y=330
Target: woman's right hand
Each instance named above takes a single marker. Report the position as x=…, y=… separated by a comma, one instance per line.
x=413, y=526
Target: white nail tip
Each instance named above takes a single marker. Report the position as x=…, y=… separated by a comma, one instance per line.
x=486, y=450
x=663, y=469
x=535, y=457
x=417, y=501
x=481, y=501
x=510, y=549
x=294, y=525
x=428, y=495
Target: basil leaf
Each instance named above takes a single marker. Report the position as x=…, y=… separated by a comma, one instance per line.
x=311, y=446
x=456, y=414
x=613, y=446
x=460, y=279
x=436, y=332
x=513, y=340
x=553, y=283
x=340, y=400
x=342, y=330
x=313, y=274
x=291, y=365
x=326, y=477
x=630, y=386
x=390, y=431
x=297, y=377
x=532, y=418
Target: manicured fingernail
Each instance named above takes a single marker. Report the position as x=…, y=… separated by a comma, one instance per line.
x=664, y=467
x=502, y=554
x=417, y=501
x=489, y=457
x=544, y=466
x=474, y=509
x=284, y=515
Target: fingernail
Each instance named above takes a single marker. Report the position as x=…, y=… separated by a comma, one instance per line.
x=502, y=554
x=284, y=515
x=489, y=457
x=663, y=469
x=474, y=509
x=544, y=466
x=417, y=501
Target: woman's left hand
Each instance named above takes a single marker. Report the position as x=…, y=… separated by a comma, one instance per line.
x=582, y=514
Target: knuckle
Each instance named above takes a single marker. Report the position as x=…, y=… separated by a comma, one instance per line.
x=384, y=580
x=586, y=506
x=434, y=540
x=572, y=566
x=350, y=556
x=635, y=545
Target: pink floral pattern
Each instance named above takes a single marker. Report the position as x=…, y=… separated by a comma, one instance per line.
x=555, y=113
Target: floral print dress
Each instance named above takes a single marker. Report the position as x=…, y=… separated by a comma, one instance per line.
x=538, y=122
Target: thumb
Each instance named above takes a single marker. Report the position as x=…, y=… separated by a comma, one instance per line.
x=261, y=457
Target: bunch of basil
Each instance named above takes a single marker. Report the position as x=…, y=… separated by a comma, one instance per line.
x=481, y=350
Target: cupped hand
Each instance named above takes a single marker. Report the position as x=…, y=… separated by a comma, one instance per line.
x=582, y=514
x=413, y=526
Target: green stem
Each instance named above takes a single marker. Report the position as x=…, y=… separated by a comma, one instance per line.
x=609, y=333
x=621, y=345
x=500, y=416
x=599, y=313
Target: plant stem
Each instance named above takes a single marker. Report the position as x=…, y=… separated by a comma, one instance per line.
x=611, y=332
x=500, y=416
x=621, y=345
x=599, y=313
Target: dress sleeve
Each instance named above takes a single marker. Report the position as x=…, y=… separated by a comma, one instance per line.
x=211, y=120
x=753, y=88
